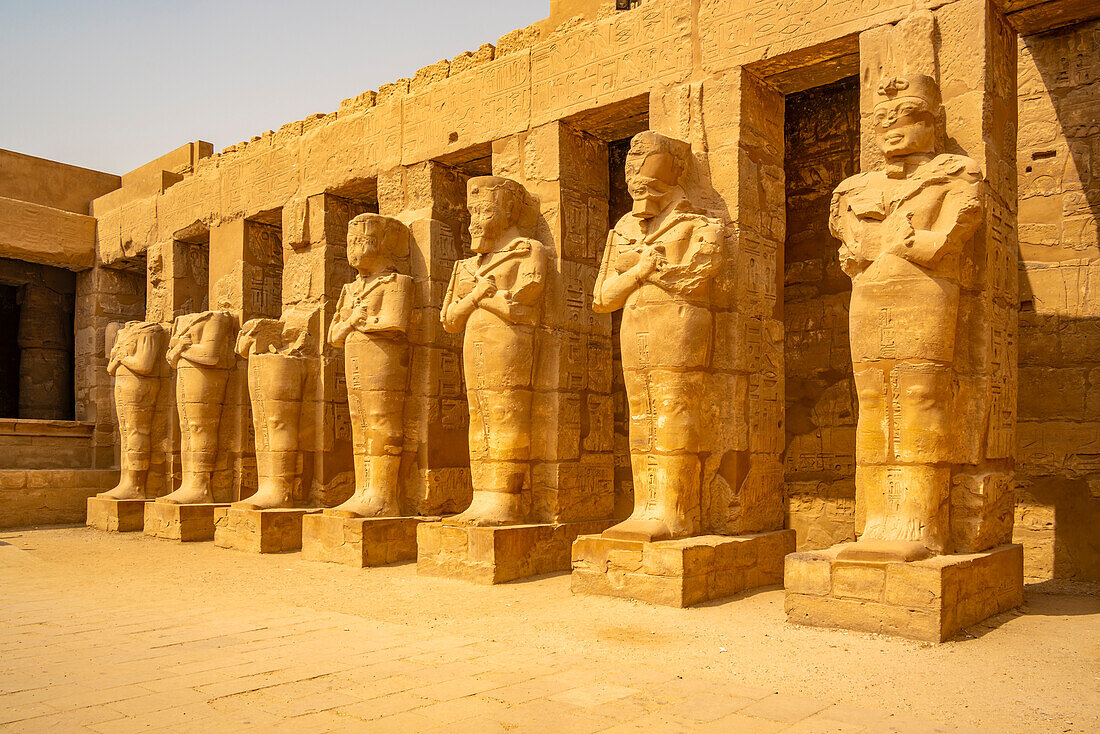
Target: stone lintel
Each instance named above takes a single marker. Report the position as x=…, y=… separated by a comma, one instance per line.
x=494, y=555
x=927, y=600
x=116, y=516
x=185, y=523
x=259, y=531
x=679, y=573
x=360, y=541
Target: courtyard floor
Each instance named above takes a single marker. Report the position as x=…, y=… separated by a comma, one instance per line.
x=121, y=633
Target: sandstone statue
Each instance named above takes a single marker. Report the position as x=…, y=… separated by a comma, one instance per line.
x=134, y=363
x=658, y=267
x=370, y=323
x=496, y=297
x=199, y=351
x=906, y=237
x=277, y=372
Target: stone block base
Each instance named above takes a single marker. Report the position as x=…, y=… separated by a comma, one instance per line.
x=50, y=496
x=498, y=554
x=185, y=523
x=679, y=573
x=360, y=541
x=259, y=531
x=927, y=600
x=116, y=516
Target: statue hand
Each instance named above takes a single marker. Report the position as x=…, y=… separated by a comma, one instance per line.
x=485, y=288
x=652, y=259
x=899, y=235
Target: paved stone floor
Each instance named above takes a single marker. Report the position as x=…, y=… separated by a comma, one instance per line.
x=122, y=633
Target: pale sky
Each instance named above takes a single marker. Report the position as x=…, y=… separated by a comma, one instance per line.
x=113, y=84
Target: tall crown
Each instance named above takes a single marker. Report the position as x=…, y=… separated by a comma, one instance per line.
x=917, y=86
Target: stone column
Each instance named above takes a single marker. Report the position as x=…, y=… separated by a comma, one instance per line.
x=430, y=198
x=176, y=283
x=739, y=177
x=315, y=267
x=246, y=280
x=572, y=450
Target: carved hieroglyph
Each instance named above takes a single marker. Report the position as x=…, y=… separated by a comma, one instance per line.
x=199, y=351
x=371, y=323
x=907, y=236
x=278, y=368
x=134, y=363
x=658, y=267
x=496, y=297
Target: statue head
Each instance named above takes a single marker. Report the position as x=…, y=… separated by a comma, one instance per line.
x=375, y=241
x=905, y=114
x=653, y=167
x=497, y=205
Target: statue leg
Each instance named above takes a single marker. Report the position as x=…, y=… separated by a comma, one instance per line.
x=275, y=387
x=378, y=418
x=135, y=418
x=199, y=394
x=499, y=455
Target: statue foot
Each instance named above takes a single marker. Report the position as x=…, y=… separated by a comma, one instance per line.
x=266, y=498
x=127, y=489
x=647, y=530
x=490, y=509
x=188, y=494
x=365, y=506
x=885, y=551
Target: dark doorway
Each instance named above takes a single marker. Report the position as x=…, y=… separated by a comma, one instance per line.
x=9, y=351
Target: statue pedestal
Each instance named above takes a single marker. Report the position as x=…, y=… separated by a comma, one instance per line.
x=185, y=523
x=494, y=555
x=360, y=541
x=259, y=531
x=116, y=516
x=927, y=600
x=679, y=573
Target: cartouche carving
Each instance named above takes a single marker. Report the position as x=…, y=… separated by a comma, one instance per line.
x=277, y=371
x=199, y=352
x=371, y=323
x=906, y=235
x=134, y=365
x=658, y=268
x=496, y=297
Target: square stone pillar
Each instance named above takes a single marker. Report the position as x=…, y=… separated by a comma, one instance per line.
x=246, y=280
x=315, y=267
x=735, y=126
x=176, y=284
x=430, y=198
x=572, y=470
x=969, y=48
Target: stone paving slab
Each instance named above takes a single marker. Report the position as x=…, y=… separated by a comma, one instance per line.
x=70, y=663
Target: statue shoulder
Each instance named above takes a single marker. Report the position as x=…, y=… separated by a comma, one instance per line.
x=853, y=183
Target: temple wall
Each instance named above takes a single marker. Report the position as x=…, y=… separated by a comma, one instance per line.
x=1058, y=469
x=822, y=149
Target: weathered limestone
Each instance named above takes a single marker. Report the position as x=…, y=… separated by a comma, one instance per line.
x=526, y=334
x=136, y=363
x=185, y=523
x=660, y=266
x=377, y=524
x=275, y=530
x=927, y=240
x=199, y=351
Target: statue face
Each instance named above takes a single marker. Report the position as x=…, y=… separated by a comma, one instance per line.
x=489, y=216
x=365, y=243
x=650, y=175
x=904, y=126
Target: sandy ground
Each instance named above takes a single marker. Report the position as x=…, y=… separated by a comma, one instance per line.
x=1033, y=670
